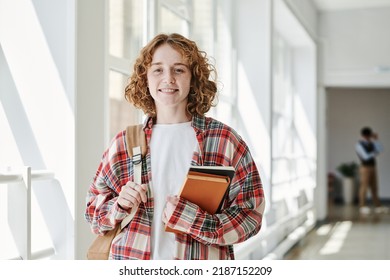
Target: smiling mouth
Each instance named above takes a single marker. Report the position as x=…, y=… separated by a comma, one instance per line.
x=168, y=90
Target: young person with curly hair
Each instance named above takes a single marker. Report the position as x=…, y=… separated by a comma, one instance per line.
x=174, y=84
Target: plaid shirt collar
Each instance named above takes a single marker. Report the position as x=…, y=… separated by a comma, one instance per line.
x=198, y=123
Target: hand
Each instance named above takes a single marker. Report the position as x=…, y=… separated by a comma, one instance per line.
x=172, y=202
x=132, y=195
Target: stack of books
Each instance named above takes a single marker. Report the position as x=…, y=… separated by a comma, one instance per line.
x=206, y=186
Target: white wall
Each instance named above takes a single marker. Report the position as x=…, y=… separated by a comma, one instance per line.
x=306, y=13
x=356, y=46
x=91, y=108
x=254, y=78
x=251, y=39
x=348, y=111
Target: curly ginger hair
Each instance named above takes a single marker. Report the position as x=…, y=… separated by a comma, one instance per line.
x=203, y=89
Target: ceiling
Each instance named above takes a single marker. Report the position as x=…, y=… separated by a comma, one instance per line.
x=335, y=5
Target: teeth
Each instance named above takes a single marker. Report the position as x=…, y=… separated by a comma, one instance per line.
x=167, y=90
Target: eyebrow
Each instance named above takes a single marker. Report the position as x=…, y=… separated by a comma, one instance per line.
x=175, y=64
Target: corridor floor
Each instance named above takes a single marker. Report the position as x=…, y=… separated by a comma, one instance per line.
x=346, y=235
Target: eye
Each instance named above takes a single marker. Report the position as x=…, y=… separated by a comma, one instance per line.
x=179, y=70
x=157, y=71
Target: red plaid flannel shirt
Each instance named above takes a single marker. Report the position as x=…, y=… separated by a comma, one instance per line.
x=207, y=236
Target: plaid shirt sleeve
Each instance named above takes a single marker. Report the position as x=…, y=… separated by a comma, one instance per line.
x=102, y=211
x=242, y=214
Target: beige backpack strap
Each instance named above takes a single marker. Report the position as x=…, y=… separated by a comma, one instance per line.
x=135, y=136
x=136, y=149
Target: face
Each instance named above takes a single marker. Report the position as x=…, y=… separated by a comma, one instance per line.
x=169, y=79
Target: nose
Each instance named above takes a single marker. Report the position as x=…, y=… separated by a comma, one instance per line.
x=169, y=78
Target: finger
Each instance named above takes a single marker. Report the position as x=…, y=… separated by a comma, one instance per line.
x=124, y=203
x=134, y=196
x=130, y=184
x=164, y=217
x=169, y=208
x=132, y=192
x=173, y=199
x=142, y=192
x=128, y=193
x=127, y=201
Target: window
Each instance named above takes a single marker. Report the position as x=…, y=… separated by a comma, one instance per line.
x=282, y=116
x=293, y=117
x=126, y=37
x=225, y=64
x=126, y=19
x=174, y=16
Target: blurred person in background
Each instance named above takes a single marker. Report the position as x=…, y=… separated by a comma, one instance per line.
x=368, y=148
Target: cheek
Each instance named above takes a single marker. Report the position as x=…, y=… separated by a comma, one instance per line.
x=189, y=87
x=148, y=79
x=149, y=76
x=189, y=81
x=151, y=83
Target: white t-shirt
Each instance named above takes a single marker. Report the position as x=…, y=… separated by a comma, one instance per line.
x=171, y=150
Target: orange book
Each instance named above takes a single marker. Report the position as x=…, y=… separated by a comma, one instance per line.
x=206, y=186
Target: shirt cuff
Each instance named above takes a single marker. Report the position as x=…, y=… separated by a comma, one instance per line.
x=184, y=216
x=118, y=213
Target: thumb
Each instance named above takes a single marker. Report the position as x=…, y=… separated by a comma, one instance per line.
x=144, y=187
x=174, y=199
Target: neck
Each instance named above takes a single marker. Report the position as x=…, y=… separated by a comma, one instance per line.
x=171, y=117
